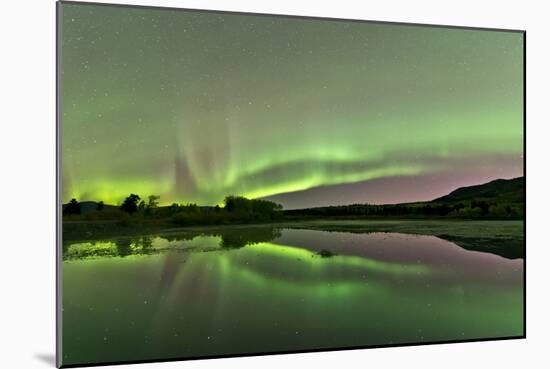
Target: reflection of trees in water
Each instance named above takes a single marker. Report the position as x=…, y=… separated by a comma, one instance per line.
x=134, y=246
x=88, y=249
x=123, y=247
x=146, y=244
x=230, y=238
x=180, y=237
x=237, y=238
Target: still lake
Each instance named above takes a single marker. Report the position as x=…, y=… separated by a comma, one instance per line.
x=259, y=289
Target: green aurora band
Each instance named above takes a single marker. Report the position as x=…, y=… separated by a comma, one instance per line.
x=194, y=106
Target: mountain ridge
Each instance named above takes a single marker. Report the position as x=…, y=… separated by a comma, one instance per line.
x=509, y=189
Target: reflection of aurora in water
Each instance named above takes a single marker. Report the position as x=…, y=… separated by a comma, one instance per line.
x=307, y=270
x=192, y=294
x=307, y=273
x=359, y=257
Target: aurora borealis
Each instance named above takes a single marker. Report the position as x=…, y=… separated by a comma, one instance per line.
x=194, y=106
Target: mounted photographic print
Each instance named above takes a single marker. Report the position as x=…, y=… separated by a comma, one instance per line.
x=238, y=184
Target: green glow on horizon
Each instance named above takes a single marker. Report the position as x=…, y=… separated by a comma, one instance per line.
x=197, y=106
x=326, y=179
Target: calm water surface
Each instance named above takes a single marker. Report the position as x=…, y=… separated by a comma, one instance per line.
x=260, y=289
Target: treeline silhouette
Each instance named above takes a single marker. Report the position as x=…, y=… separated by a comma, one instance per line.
x=499, y=199
x=472, y=209
x=230, y=238
x=235, y=209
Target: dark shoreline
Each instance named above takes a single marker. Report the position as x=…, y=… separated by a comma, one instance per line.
x=501, y=237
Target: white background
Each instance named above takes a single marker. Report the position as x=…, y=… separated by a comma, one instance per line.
x=27, y=180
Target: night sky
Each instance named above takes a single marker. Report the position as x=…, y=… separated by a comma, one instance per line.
x=194, y=106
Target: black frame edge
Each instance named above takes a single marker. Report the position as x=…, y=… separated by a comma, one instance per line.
x=58, y=206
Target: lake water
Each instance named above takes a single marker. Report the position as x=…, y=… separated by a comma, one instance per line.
x=261, y=289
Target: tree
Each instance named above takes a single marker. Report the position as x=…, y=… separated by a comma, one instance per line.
x=153, y=201
x=484, y=208
x=238, y=204
x=252, y=209
x=100, y=206
x=130, y=204
x=229, y=203
x=73, y=207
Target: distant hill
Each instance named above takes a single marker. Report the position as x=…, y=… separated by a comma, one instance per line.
x=498, y=199
x=499, y=190
x=90, y=206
